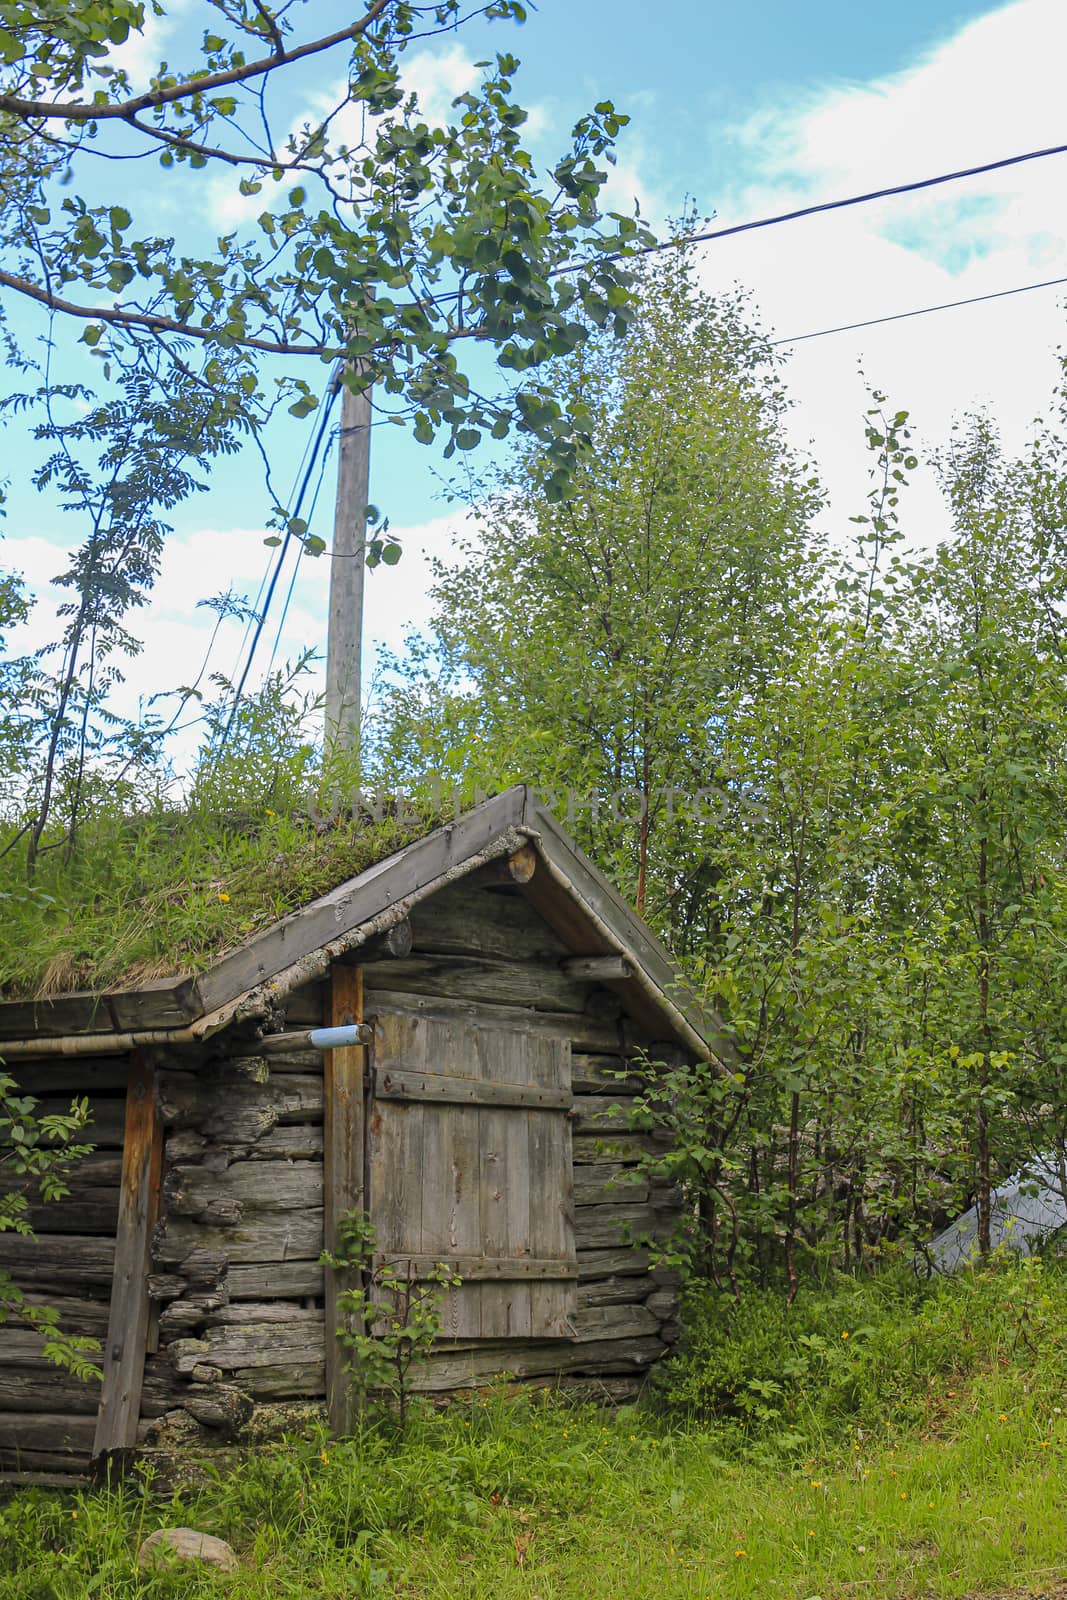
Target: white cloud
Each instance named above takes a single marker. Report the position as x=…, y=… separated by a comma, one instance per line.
x=176, y=633
x=964, y=103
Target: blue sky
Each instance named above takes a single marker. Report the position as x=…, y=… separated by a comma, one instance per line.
x=749, y=109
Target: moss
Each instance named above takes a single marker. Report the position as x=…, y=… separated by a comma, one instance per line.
x=163, y=891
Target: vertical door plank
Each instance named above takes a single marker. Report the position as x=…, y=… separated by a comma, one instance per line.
x=343, y=1173
x=128, y=1319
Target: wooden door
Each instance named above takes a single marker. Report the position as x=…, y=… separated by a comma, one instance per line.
x=469, y=1164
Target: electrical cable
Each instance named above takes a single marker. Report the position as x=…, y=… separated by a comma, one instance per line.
x=299, y=558
x=327, y=407
x=922, y=311
x=912, y=187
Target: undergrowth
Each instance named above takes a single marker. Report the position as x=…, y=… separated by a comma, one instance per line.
x=929, y=1460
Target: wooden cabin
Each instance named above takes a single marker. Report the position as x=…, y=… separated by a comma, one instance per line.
x=502, y=986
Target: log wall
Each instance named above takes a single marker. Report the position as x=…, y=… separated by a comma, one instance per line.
x=236, y=1285
x=48, y=1417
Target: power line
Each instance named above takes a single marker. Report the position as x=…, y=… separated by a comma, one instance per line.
x=922, y=311
x=911, y=187
x=299, y=558
x=327, y=407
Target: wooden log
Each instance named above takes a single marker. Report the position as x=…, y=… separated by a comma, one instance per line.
x=628, y=1320
x=251, y=1344
x=478, y=1366
x=463, y=920
x=598, y=1227
x=88, y=1211
x=597, y=969
x=509, y=871
x=604, y=1184
x=51, y=1469
x=613, y=1147
x=222, y=1406
x=59, y=1262
x=107, y=1124
x=59, y=1435
x=663, y=1303
x=604, y=1074
x=585, y=1033
x=278, y=1236
x=625, y=1262
x=293, y=1380
x=603, y=1114
x=60, y=1075
x=290, y=1312
x=478, y=979
x=613, y=1291
x=47, y=1389
x=302, y=1141
x=127, y=1335
x=286, y=1279
x=249, y=1186
x=241, y=1113
x=24, y=1347
x=77, y=1314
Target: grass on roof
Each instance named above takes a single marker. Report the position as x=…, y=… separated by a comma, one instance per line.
x=151, y=890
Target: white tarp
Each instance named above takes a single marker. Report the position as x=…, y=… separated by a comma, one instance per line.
x=1027, y=1210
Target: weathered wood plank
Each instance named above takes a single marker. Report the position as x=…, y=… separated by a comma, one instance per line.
x=343, y=1178
x=286, y=1279
x=62, y=1075
x=107, y=1123
x=480, y=1269
x=598, y=1227
x=399, y=1084
x=58, y=1435
x=603, y=1074
x=46, y=1389
x=597, y=969
x=124, y=1347
x=463, y=920
x=239, y=1113
x=251, y=1186
x=481, y=1365
x=584, y=1032
x=53, y=1018
x=608, y=1263
x=59, y=1262
x=603, y=1114
x=268, y=1236
x=480, y=979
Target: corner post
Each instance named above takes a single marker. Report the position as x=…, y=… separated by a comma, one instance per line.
x=129, y=1315
x=343, y=1174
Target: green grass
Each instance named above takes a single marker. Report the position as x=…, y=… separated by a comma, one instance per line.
x=164, y=890
x=943, y=1477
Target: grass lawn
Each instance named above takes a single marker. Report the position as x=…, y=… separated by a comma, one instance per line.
x=927, y=1456
x=507, y=1500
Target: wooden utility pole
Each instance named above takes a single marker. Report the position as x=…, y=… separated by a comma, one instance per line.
x=348, y=559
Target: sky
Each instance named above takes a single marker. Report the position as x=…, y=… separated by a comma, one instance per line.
x=745, y=111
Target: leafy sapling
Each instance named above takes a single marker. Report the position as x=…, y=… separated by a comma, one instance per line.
x=389, y=1316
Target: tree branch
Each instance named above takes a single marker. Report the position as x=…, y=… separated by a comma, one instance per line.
x=154, y=323
x=76, y=111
